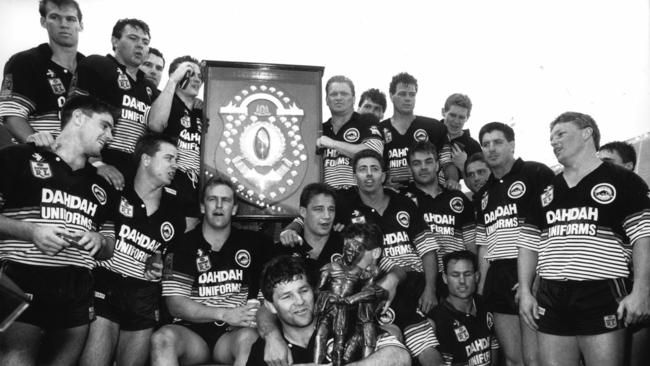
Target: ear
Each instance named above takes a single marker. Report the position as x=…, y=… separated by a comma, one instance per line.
x=444, y=278
x=383, y=177
x=376, y=253
x=234, y=209
x=269, y=305
x=443, y=112
x=587, y=132
x=302, y=211
x=114, y=42
x=81, y=26
x=43, y=21
x=628, y=166
x=202, y=208
x=477, y=276
x=146, y=159
x=78, y=117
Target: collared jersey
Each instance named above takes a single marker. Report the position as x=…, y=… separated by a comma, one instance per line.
x=39, y=187
x=185, y=125
x=396, y=145
x=450, y=216
x=222, y=279
x=35, y=88
x=360, y=129
x=464, y=339
x=502, y=205
x=587, y=232
x=139, y=236
x=331, y=252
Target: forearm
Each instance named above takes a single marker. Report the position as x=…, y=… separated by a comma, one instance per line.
x=430, y=265
x=483, y=266
x=526, y=266
x=190, y=310
x=346, y=148
x=266, y=322
x=18, y=127
x=641, y=263
x=16, y=229
x=386, y=356
x=159, y=112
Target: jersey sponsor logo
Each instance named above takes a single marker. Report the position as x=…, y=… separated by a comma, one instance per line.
x=351, y=135
x=41, y=169
x=99, y=193
x=375, y=131
x=516, y=190
x=603, y=193
x=420, y=135
x=461, y=332
x=403, y=218
x=203, y=263
x=489, y=319
x=123, y=80
x=186, y=121
x=7, y=84
x=387, y=317
x=610, y=321
x=547, y=196
x=336, y=258
x=243, y=258
x=484, y=201
x=456, y=204
x=167, y=230
x=57, y=86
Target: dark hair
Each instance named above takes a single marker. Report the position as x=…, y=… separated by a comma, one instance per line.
x=149, y=144
x=59, y=3
x=460, y=100
x=313, y=189
x=404, y=78
x=457, y=256
x=220, y=181
x=281, y=269
x=368, y=153
x=477, y=156
x=424, y=147
x=339, y=79
x=88, y=105
x=508, y=132
x=375, y=96
x=118, y=28
x=179, y=60
x=371, y=235
x=155, y=51
x=582, y=121
x=623, y=149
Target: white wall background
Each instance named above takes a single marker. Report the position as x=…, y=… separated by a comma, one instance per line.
x=521, y=62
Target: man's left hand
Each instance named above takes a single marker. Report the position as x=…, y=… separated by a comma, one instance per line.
x=92, y=242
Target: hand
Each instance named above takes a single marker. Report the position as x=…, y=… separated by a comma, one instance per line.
x=323, y=142
x=452, y=185
x=241, y=316
x=458, y=157
x=180, y=71
x=290, y=238
x=634, y=308
x=48, y=239
x=92, y=242
x=276, y=352
x=112, y=175
x=390, y=285
x=153, y=267
x=427, y=300
x=528, y=309
x=42, y=139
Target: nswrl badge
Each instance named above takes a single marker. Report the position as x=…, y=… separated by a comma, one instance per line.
x=203, y=263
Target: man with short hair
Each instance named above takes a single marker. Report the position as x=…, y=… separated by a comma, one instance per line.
x=208, y=279
x=455, y=114
x=373, y=101
x=153, y=66
x=36, y=81
x=477, y=172
x=127, y=287
x=56, y=216
x=579, y=237
x=619, y=152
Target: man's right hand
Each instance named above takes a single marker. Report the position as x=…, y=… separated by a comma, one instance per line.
x=528, y=308
x=42, y=139
x=276, y=352
x=112, y=175
x=241, y=316
x=290, y=238
x=48, y=239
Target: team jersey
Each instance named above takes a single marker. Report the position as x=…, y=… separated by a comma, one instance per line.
x=464, y=339
x=185, y=125
x=502, y=205
x=450, y=216
x=222, y=279
x=396, y=146
x=105, y=78
x=360, y=129
x=465, y=142
x=35, y=88
x=587, y=232
x=39, y=187
x=406, y=236
x=139, y=236
x=331, y=252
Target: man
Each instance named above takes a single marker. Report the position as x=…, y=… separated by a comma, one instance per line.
x=404, y=129
x=288, y=291
x=127, y=290
x=464, y=327
x=373, y=101
x=502, y=205
x=177, y=112
x=455, y=114
x=208, y=278
x=345, y=133
x=153, y=66
x=449, y=214
x=56, y=217
x=580, y=236
x=477, y=172
x=36, y=81
x=117, y=80
x=620, y=153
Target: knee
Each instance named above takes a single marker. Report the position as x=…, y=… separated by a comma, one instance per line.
x=162, y=340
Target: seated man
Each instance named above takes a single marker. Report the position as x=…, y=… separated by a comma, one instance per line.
x=288, y=290
x=206, y=281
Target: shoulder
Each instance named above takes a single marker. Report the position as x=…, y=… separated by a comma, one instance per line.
x=95, y=62
x=536, y=168
x=16, y=151
x=20, y=58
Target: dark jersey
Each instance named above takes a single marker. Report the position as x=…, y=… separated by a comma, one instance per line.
x=360, y=129
x=38, y=186
x=331, y=252
x=464, y=339
x=450, y=216
x=139, y=236
x=503, y=203
x=35, y=88
x=105, y=78
x=465, y=142
x=396, y=145
x=586, y=232
x=185, y=125
x=222, y=279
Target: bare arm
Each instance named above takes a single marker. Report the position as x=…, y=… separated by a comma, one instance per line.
x=276, y=351
x=342, y=147
x=635, y=307
x=386, y=356
x=190, y=310
x=159, y=112
x=428, y=299
x=46, y=238
x=18, y=127
x=526, y=266
x=483, y=266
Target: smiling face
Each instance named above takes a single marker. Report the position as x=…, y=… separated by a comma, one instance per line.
x=319, y=215
x=455, y=119
x=293, y=302
x=62, y=24
x=162, y=165
x=461, y=278
x=568, y=141
x=476, y=175
x=132, y=48
x=219, y=206
x=95, y=131
x=193, y=87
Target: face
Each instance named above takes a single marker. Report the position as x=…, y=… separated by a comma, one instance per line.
x=62, y=24
x=461, y=279
x=611, y=156
x=455, y=119
x=219, y=206
x=96, y=131
x=340, y=99
x=319, y=215
x=192, y=89
x=368, y=106
x=293, y=302
x=370, y=177
x=568, y=140
x=162, y=165
x=404, y=98
x=152, y=67
x=132, y=47
x=476, y=175
x=497, y=150
x=353, y=250
x=424, y=168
